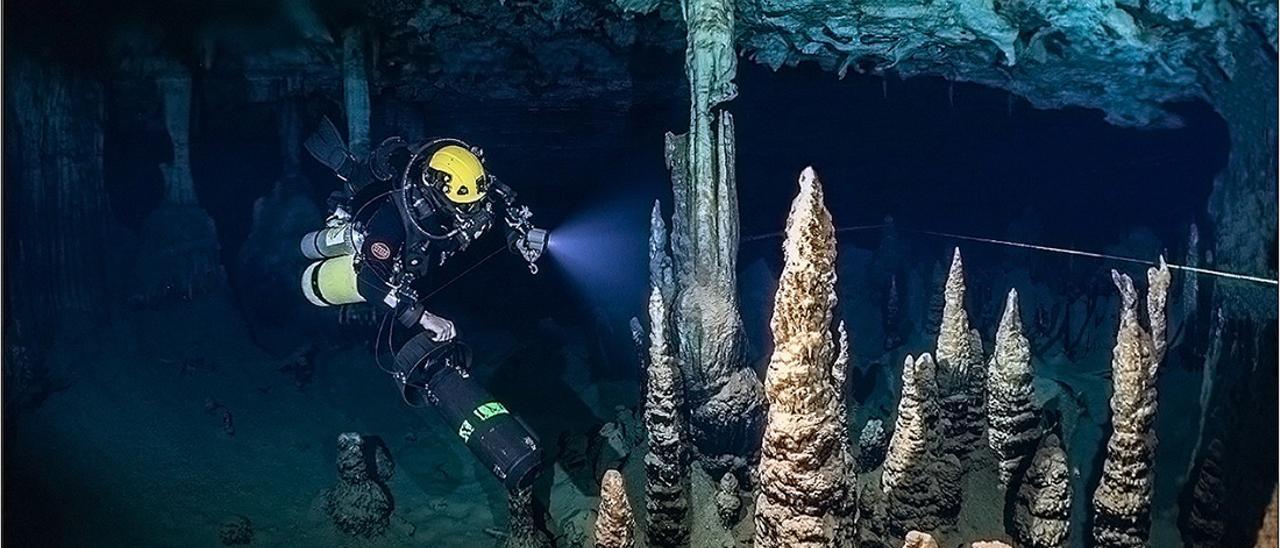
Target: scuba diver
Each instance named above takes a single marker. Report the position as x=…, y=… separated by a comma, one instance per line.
x=402, y=213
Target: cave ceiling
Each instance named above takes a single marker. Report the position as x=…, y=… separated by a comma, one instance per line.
x=1126, y=58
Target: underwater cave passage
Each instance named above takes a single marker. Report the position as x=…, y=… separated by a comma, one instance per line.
x=967, y=159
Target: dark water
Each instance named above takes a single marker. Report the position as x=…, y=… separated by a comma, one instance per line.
x=933, y=155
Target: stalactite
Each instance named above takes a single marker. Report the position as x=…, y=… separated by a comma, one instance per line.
x=961, y=380
x=1042, y=512
x=725, y=398
x=522, y=529
x=355, y=89
x=1122, y=501
x=59, y=209
x=1014, y=422
x=804, y=475
x=615, y=525
x=915, y=465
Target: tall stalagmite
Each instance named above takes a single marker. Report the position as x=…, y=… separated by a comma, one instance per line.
x=915, y=464
x=805, y=485
x=1042, y=513
x=666, y=464
x=724, y=396
x=1122, y=502
x=1014, y=421
x=960, y=372
x=615, y=525
x=961, y=383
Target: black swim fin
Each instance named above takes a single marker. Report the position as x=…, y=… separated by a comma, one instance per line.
x=327, y=147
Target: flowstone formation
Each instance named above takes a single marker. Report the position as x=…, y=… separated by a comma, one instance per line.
x=724, y=397
x=916, y=466
x=1122, y=502
x=666, y=463
x=615, y=525
x=1014, y=421
x=961, y=378
x=1042, y=514
x=805, y=492
x=360, y=504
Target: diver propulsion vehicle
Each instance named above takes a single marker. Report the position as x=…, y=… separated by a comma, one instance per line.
x=438, y=375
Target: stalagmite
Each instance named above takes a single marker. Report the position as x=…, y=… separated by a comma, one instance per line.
x=1202, y=525
x=1269, y=532
x=725, y=398
x=522, y=529
x=666, y=464
x=804, y=476
x=961, y=376
x=1014, y=422
x=728, y=501
x=1122, y=501
x=1158, y=280
x=872, y=444
x=917, y=539
x=615, y=525
x=913, y=468
x=1042, y=513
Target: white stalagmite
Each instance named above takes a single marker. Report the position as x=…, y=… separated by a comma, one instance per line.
x=666, y=463
x=804, y=489
x=1122, y=501
x=1158, y=280
x=915, y=464
x=1042, y=512
x=1013, y=419
x=615, y=524
x=960, y=371
x=917, y=539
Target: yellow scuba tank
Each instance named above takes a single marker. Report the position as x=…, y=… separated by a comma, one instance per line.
x=331, y=282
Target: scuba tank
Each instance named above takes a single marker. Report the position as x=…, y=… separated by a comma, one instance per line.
x=329, y=242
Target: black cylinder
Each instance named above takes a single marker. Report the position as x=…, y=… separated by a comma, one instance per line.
x=437, y=374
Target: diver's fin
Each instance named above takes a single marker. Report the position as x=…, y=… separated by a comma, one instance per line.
x=327, y=147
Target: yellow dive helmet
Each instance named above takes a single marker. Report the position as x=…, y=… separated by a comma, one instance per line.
x=458, y=173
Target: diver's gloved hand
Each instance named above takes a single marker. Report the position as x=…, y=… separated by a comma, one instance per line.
x=441, y=329
x=338, y=218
